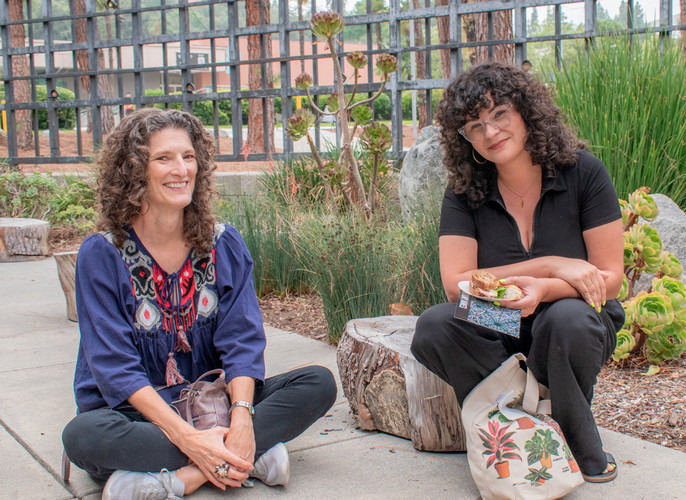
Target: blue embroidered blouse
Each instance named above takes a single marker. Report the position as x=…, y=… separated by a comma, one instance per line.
x=142, y=326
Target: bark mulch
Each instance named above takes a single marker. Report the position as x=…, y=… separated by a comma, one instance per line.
x=652, y=408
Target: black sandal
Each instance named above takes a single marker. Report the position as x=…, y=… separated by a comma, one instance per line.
x=607, y=475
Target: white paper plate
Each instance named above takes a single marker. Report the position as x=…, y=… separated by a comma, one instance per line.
x=464, y=286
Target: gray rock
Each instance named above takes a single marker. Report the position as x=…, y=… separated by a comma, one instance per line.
x=422, y=172
x=671, y=225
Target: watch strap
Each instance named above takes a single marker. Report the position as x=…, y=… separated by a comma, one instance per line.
x=244, y=404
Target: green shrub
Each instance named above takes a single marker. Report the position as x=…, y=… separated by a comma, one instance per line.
x=225, y=107
x=39, y=196
x=627, y=101
x=26, y=195
x=66, y=116
x=407, y=102
x=202, y=109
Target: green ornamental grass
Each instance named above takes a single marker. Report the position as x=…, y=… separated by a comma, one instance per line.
x=629, y=102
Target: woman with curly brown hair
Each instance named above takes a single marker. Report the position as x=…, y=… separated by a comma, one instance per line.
x=164, y=294
x=526, y=203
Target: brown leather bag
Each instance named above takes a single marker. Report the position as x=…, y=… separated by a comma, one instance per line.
x=205, y=404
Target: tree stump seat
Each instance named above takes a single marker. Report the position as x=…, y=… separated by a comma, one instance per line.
x=390, y=391
x=23, y=239
x=66, y=271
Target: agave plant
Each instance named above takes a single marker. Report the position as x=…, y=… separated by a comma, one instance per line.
x=655, y=318
x=327, y=25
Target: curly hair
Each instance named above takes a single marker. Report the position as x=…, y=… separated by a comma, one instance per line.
x=123, y=168
x=550, y=142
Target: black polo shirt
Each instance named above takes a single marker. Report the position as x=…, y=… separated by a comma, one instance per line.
x=580, y=197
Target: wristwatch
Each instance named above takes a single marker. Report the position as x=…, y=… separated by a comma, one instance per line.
x=244, y=404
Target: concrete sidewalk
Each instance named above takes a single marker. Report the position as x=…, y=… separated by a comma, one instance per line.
x=332, y=459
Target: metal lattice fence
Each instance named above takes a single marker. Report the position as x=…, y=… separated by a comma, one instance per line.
x=87, y=63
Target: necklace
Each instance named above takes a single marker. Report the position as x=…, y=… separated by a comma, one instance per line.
x=521, y=195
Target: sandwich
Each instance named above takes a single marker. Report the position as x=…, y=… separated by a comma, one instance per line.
x=484, y=284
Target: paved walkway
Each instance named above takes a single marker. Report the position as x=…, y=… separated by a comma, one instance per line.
x=332, y=460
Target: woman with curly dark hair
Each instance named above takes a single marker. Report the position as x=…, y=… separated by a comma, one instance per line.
x=164, y=294
x=526, y=203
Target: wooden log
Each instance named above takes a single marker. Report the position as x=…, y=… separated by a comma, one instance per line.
x=388, y=390
x=66, y=270
x=23, y=239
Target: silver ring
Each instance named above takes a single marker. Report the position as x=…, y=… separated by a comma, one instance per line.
x=222, y=470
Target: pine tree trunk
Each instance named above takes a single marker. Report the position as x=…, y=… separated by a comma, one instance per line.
x=476, y=29
x=420, y=61
x=443, y=24
x=20, y=67
x=682, y=20
x=105, y=85
x=257, y=142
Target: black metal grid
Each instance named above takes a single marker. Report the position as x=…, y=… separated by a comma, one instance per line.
x=39, y=16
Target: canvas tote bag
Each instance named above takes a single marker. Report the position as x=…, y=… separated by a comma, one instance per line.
x=514, y=448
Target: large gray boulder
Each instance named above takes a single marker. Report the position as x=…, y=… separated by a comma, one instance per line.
x=422, y=172
x=671, y=224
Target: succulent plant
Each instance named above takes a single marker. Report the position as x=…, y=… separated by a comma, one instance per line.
x=362, y=115
x=647, y=245
x=303, y=81
x=327, y=24
x=376, y=138
x=356, y=59
x=624, y=290
x=332, y=102
x=655, y=323
x=675, y=291
x=643, y=205
x=335, y=172
x=625, y=343
x=630, y=251
x=652, y=309
x=670, y=265
x=386, y=64
x=665, y=342
x=626, y=211
x=298, y=124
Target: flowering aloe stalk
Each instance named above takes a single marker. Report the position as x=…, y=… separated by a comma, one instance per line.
x=327, y=25
x=298, y=126
x=376, y=139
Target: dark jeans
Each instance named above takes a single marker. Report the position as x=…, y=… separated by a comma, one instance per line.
x=566, y=344
x=102, y=441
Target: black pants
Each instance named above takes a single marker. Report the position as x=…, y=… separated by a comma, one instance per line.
x=566, y=344
x=102, y=441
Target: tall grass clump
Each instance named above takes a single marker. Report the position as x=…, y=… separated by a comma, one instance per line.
x=419, y=278
x=350, y=261
x=629, y=102
x=265, y=228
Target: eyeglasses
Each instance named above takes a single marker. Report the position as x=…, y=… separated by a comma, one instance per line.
x=499, y=119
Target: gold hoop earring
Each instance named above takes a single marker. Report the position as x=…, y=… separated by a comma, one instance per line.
x=479, y=162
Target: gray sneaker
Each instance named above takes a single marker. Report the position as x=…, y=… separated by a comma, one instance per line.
x=273, y=468
x=127, y=485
